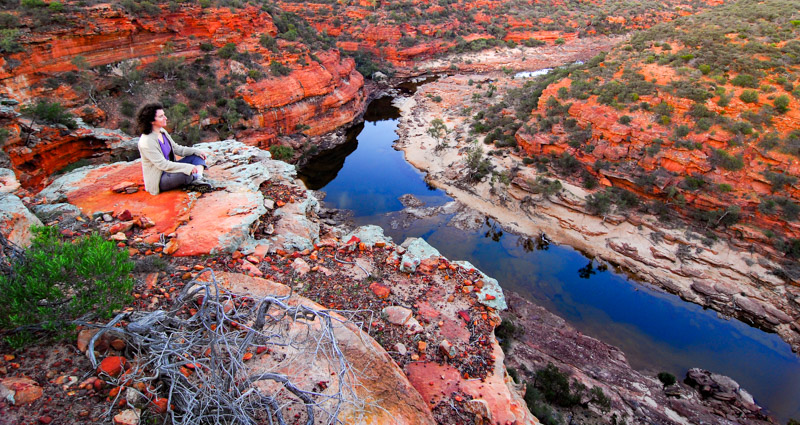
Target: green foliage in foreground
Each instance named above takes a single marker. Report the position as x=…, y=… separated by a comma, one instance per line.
x=56, y=282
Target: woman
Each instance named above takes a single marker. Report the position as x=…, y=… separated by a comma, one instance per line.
x=157, y=149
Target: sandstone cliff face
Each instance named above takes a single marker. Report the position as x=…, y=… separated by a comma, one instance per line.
x=324, y=95
x=315, y=97
x=105, y=35
x=674, y=159
x=403, y=34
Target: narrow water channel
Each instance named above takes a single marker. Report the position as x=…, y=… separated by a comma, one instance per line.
x=657, y=331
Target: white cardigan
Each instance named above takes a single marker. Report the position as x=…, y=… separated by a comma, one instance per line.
x=154, y=163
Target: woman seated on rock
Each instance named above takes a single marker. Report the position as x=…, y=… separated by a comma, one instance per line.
x=161, y=171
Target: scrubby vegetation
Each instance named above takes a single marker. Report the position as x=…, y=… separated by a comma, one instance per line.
x=54, y=282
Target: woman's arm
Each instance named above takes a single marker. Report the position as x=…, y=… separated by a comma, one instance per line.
x=151, y=151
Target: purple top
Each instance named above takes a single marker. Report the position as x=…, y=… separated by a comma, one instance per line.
x=166, y=148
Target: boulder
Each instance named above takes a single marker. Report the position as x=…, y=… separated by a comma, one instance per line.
x=20, y=390
x=16, y=220
x=392, y=400
x=416, y=251
x=219, y=221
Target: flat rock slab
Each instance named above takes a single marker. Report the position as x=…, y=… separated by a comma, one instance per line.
x=387, y=395
x=209, y=223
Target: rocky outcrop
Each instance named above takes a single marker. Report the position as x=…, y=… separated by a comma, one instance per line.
x=219, y=221
x=381, y=391
x=15, y=218
x=324, y=95
x=314, y=97
x=37, y=151
x=634, y=397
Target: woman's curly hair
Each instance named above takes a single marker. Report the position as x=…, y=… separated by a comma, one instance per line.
x=146, y=116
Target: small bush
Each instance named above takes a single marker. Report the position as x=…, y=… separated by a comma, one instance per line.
x=281, y=153
x=127, y=108
x=727, y=161
x=555, y=387
x=9, y=40
x=57, y=281
x=268, y=42
x=781, y=104
x=278, y=69
x=227, y=51
x=50, y=112
x=749, y=96
x=667, y=378
x=8, y=20
x=744, y=80
x=625, y=119
x=779, y=180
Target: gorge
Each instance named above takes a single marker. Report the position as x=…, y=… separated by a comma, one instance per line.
x=644, y=190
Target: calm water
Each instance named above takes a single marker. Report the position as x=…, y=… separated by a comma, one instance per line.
x=657, y=331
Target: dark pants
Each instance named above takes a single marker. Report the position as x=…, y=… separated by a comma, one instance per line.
x=171, y=181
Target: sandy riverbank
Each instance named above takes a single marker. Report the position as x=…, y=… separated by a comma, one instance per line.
x=722, y=277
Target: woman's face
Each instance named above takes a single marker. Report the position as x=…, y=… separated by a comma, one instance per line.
x=161, y=119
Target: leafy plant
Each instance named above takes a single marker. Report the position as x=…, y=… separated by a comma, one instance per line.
x=749, y=96
x=281, y=153
x=666, y=378
x=278, y=69
x=50, y=112
x=56, y=282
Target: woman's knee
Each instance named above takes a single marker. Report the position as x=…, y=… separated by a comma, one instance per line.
x=194, y=160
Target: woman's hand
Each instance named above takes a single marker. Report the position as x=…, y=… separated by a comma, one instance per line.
x=197, y=169
x=201, y=154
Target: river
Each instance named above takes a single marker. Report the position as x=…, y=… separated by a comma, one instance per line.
x=656, y=330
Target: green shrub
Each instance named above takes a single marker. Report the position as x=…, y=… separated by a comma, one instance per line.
x=625, y=119
x=227, y=51
x=127, y=108
x=268, y=42
x=727, y=161
x=546, y=187
x=744, y=80
x=278, y=69
x=59, y=281
x=779, y=180
x=31, y=4
x=598, y=203
x=506, y=331
x=281, y=153
x=749, y=96
x=781, y=104
x=8, y=20
x=50, y=112
x=9, y=40
x=555, y=387
x=600, y=399
x=666, y=378
x=694, y=182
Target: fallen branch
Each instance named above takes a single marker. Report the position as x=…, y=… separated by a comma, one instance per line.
x=197, y=362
